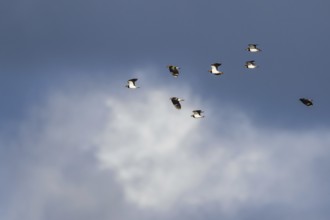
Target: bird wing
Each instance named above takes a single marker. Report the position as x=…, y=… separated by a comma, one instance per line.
x=132, y=80
x=197, y=112
x=216, y=64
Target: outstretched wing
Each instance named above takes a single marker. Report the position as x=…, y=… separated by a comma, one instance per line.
x=132, y=80
x=253, y=46
x=216, y=65
x=198, y=112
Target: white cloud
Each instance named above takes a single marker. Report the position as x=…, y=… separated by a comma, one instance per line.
x=87, y=148
x=163, y=158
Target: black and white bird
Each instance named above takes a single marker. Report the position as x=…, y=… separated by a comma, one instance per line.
x=131, y=84
x=174, y=70
x=176, y=102
x=214, y=69
x=250, y=64
x=197, y=114
x=307, y=102
x=253, y=48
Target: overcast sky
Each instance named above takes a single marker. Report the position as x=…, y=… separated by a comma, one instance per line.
x=76, y=144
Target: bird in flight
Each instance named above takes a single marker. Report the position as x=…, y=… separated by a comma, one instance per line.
x=253, y=48
x=250, y=64
x=176, y=102
x=131, y=84
x=307, y=102
x=197, y=114
x=214, y=69
x=174, y=70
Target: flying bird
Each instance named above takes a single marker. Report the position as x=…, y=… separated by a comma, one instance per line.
x=253, y=48
x=174, y=70
x=131, y=84
x=197, y=114
x=176, y=102
x=250, y=64
x=214, y=69
x=307, y=102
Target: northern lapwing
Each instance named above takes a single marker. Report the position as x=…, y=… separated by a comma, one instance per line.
x=176, y=102
x=214, y=69
x=307, y=102
x=174, y=70
x=250, y=64
x=197, y=114
x=253, y=48
x=131, y=84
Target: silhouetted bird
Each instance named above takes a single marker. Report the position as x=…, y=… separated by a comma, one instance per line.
x=197, y=114
x=174, y=70
x=176, y=102
x=214, y=69
x=131, y=84
x=307, y=102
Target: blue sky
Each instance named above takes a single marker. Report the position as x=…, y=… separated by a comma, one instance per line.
x=76, y=144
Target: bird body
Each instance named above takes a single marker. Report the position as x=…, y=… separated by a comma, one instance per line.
x=131, y=84
x=214, y=69
x=250, y=64
x=197, y=114
x=253, y=48
x=174, y=70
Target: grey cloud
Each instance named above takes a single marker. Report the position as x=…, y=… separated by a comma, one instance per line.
x=86, y=152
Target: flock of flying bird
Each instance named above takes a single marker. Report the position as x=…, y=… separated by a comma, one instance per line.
x=175, y=70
